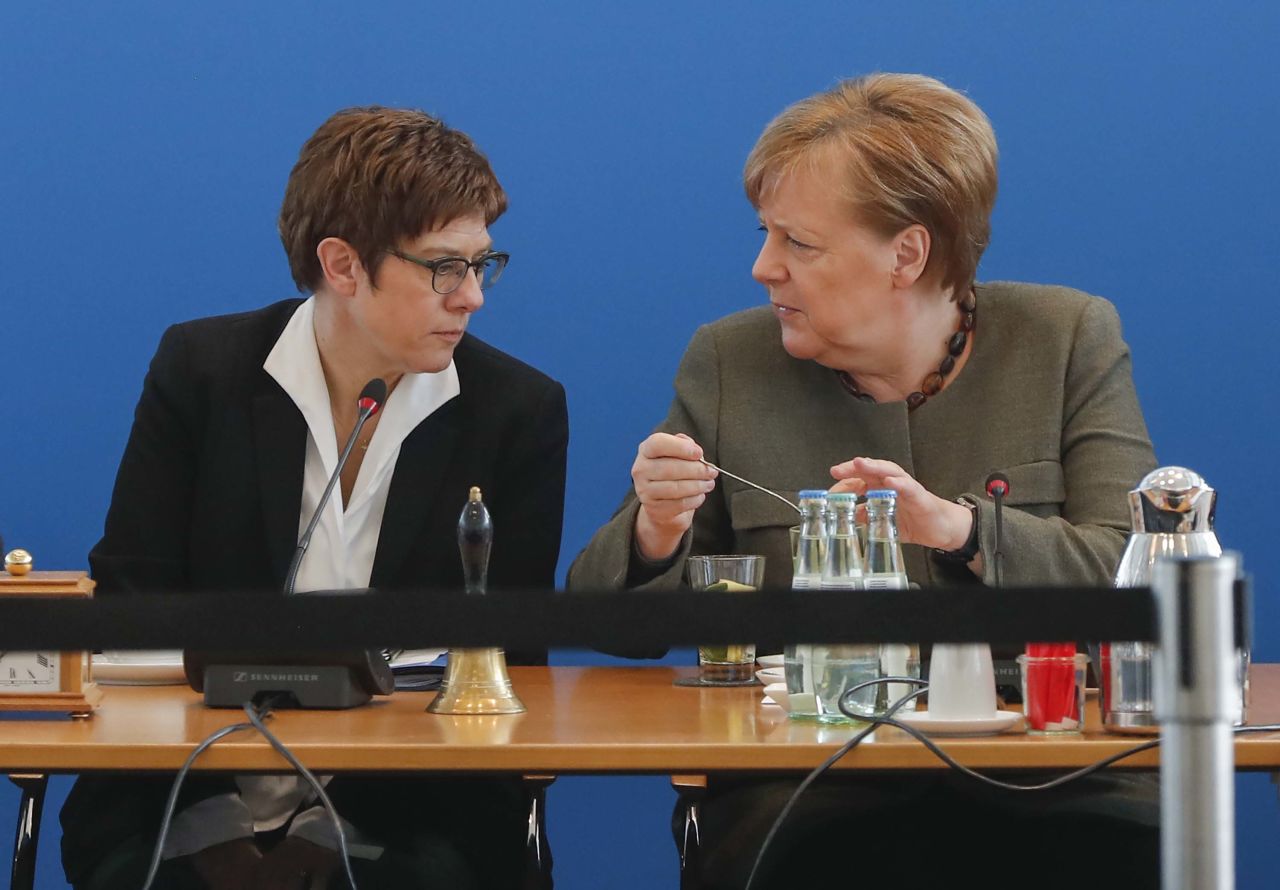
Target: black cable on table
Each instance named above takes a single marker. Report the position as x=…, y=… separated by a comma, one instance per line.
x=886, y=719
x=257, y=720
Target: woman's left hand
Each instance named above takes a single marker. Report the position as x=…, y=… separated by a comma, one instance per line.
x=923, y=517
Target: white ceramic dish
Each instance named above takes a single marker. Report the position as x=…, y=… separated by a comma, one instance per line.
x=776, y=694
x=1002, y=721
x=771, y=675
x=160, y=668
x=770, y=661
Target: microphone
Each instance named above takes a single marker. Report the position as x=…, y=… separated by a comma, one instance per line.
x=371, y=399
x=332, y=680
x=997, y=485
x=997, y=488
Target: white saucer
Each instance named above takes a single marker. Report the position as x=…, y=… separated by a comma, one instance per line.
x=771, y=675
x=770, y=661
x=164, y=670
x=922, y=721
x=776, y=694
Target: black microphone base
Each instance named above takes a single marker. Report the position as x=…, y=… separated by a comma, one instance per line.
x=324, y=687
x=1008, y=680
x=290, y=679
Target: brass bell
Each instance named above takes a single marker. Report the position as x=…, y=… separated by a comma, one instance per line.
x=476, y=682
x=475, y=679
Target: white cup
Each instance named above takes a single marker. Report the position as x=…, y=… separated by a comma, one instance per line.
x=962, y=682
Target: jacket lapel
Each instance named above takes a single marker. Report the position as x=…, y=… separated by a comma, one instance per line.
x=280, y=451
x=421, y=468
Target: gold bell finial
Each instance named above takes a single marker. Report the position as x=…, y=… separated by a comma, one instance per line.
x=18, y=562
x=475, y=680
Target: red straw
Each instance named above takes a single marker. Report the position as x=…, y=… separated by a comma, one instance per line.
x=1074, y=691
x=1034, y=705
x=1103, y=671
x=1037, y=698
x=1065, y=675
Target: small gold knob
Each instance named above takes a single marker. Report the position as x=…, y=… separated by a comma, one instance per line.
x=17, y=562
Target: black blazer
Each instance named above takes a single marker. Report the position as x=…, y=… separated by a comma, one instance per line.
x=210, y=487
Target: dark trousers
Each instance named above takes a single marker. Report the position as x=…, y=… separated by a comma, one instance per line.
x=437, y=833
x=126, y=867
x=933, y=831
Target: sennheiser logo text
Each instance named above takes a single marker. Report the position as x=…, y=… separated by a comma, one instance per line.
x=279, y=678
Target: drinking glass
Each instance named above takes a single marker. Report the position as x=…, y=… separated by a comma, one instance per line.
x=1053, y=692
x=734, y=663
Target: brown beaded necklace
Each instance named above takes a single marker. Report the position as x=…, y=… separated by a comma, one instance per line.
x=932, y=384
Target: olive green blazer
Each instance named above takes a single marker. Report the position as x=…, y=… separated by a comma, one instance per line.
x=1046, y=397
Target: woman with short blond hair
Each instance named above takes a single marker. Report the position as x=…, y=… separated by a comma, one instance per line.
x=881, y=362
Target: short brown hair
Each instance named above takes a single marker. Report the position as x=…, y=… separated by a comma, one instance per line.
x=913, y=150
x=375, y=177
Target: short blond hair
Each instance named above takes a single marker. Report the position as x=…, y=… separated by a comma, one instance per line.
x=912, y=149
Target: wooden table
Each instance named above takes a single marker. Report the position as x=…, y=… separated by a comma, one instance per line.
x=579, y=720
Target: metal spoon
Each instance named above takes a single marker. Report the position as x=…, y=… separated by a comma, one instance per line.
x=752, y=484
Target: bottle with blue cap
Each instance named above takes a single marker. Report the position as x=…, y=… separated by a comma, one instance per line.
x=841, y=666
x=807, y=575
x=884, y=569
x=842, y=559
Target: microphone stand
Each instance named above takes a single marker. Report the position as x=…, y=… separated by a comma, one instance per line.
x=997, y=486
x=299, y=679
x=997, y=495
x=368, y=407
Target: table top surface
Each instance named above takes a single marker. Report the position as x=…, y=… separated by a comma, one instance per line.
x=579, y=720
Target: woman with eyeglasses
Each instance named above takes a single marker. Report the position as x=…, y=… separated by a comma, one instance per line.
x=880, y=361
x=385, y=223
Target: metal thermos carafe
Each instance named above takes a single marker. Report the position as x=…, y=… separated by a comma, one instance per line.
x=1172, y=513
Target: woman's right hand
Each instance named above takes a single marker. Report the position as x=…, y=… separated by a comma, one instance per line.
x=671, y=484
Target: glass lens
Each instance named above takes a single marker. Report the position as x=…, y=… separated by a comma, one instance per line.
x=491, y=270
x=448, y=276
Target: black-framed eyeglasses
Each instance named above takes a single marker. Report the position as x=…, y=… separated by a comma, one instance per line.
x=447, y=272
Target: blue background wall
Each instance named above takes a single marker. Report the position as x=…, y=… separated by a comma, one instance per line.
x=144, y=150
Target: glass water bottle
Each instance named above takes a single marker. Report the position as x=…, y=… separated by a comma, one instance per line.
x=885, y=570
x=840, y=666
x=798, y=657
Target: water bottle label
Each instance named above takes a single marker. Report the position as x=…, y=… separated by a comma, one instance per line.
x=839, y=583
x=899, y=660
x=799, y=671
x=804, y=705
x=885, y=581
x=805, y=582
